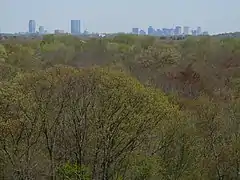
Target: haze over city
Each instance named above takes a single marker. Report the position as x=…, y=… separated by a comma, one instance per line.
x=215, y=16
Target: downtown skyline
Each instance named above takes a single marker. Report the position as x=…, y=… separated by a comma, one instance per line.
x=42, y=28
x=114, y=16
x=75, y=29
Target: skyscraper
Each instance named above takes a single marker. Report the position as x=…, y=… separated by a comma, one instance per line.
x=151, y=30
x=178, y=30
x=186, y=30
x=75, y=27
x=32, y=26
x=199, y=30
x=135, y=30
x=41, y=30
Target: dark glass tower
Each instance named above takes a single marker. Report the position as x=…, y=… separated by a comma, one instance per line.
x=32, y=26
x=75, y=27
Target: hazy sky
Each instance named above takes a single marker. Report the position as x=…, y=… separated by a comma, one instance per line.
x=120, y=15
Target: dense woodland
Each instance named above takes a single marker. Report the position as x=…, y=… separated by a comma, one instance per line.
x=120, y=108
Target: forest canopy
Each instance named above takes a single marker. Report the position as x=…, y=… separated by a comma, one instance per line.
x=122, y=107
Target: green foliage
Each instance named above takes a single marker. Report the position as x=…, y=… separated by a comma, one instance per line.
x=73, y=172
x=3, y=53
x=122, y=107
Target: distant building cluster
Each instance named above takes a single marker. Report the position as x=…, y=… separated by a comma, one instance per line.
x=32, y=28
x=177, y=31
x=75, y=28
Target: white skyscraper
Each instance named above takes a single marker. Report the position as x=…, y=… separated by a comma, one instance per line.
x=186, y=30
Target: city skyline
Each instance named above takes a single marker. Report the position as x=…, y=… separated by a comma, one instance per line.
x=75, y=29
x=120, y=16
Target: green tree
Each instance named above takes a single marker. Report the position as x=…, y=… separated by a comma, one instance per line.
x=3, y=53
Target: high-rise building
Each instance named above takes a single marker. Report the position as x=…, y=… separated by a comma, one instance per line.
x=75, y=27
x=32, y=26
x=41, y=30
x=199, y=30
x=151, y=30
x=135, y=30
x=186, y=30
x=178, y=30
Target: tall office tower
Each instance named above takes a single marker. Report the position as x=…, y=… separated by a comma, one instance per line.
x=151, y=30
x=199, y=30
x=186, y=30
x=75, y=27
x=135, y=30
x=178, y=31
x=41, y=30
x=32, y=26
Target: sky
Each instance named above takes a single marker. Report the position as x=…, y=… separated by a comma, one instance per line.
x=215, y=16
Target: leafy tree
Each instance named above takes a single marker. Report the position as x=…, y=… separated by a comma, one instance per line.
x=73, y=172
